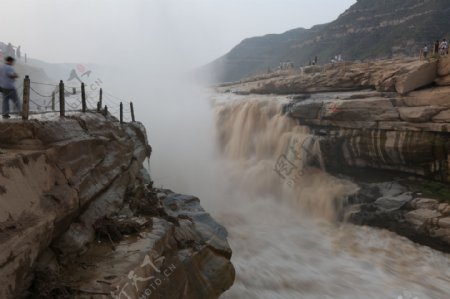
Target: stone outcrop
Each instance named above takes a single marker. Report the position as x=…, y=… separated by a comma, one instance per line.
x=400, y=75
x=60, y=178
x=383, y=130
x=393, y=206
x=180, y=252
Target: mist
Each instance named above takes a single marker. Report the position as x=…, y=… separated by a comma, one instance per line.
x=143, y=51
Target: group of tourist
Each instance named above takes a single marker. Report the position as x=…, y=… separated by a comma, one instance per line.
x=8, y=50
x=439, y=48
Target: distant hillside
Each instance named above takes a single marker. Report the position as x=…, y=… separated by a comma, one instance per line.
x=368, y=29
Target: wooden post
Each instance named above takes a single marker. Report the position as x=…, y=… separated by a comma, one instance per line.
x=101, y=98
x=26, y=98
x=83, y=98
x=74, y=90
x=132, y=112
x=99, y=107
x=105, y=112
x=121, y=113
x=53, y=101
x=62, y=103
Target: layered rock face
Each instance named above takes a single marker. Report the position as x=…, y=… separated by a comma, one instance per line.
x=396, y=130
x=398, y=207
x=393, y=129
x=66, y=184
x=391, y=114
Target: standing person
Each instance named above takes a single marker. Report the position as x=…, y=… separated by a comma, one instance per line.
x=443, y=46
x=425, y=51
x=7, y=79
x=18, y=52
x=10, y=50
x=436, y=47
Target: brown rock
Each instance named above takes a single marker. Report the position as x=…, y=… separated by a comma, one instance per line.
x=421, y=216
x=443, y=68
x=436, y=96
x=444, y=222
x=443, y=81
x=442, y=117
x=419, y=114
x=425, y=203
x=49, y=184
x=418, y=75
x=444, y=209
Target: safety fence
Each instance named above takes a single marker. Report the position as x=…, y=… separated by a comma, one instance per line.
x=40, y=98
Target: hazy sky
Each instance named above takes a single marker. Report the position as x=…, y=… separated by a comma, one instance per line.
x=188, y=32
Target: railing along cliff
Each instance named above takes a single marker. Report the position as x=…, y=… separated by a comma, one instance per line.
x=62, y=98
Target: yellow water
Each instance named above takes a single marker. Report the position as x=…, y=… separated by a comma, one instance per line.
x=282, y=224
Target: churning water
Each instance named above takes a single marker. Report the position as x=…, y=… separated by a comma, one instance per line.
x=252, y=175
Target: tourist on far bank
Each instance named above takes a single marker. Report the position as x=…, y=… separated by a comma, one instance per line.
x=425, y=51
x=18, y=53
x=444, y=47
x=436, y=47
x=8, y=77
x=316, y=60
x=10, y=51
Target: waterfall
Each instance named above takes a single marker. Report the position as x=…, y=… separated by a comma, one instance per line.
x=280, y=207
x=272, y=154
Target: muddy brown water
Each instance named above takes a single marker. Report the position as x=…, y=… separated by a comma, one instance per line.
x=282, y=229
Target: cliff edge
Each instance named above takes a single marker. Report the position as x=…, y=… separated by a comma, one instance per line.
x=79, y=217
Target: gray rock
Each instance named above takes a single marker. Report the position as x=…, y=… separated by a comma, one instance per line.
x=390, y=204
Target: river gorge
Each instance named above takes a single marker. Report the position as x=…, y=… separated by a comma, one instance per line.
x=285, y=238
x=264, y=176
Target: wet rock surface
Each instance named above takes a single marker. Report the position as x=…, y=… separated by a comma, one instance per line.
x=75, y=198
x=407, y=208
x=175, y=251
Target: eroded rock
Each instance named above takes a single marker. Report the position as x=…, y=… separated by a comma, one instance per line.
x=60, y=180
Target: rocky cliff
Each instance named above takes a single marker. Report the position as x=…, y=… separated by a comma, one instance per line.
x=368, y=29
x=384, y=124
x=79, y=217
